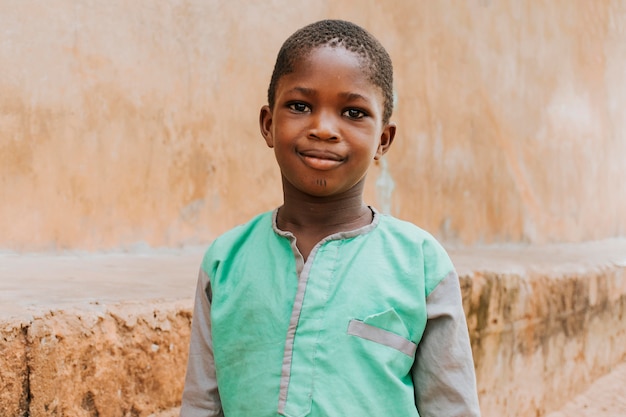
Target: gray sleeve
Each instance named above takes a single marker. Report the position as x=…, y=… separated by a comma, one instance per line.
x=200, y=395
x=443, y=373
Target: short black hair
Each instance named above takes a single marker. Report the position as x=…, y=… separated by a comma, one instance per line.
x=335, y=33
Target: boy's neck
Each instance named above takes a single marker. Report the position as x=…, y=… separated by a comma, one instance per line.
x=323, y=214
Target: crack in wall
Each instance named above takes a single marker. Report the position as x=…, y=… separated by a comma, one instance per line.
x=26, y=396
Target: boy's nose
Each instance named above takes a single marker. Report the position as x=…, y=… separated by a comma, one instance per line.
x=324, y=127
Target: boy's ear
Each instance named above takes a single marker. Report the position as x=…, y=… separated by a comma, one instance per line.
x=265, y=123
x=386, y=138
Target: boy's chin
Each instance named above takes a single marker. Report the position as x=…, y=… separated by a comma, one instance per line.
x=323, y=190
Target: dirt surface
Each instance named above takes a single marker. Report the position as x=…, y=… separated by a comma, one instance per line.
x=604, y=398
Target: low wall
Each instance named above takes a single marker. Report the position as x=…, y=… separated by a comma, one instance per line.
x=546, y=326
x=122, y=360
x=545, y=321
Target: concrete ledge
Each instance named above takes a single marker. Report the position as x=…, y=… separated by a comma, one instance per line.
x=545, y=323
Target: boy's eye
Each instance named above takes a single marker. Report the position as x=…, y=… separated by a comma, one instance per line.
x=354, y=113
x=299, y=107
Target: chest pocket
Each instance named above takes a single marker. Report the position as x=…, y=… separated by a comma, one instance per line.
x=386, y=328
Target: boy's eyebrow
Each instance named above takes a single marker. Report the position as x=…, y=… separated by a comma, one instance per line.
x=354, y=96
x=303, y=90
x=346, y=95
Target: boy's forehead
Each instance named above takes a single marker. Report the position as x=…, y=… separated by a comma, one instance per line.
x=331, y=67
x=331, y=55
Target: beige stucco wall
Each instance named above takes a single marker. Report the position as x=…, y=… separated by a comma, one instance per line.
x=124, y=123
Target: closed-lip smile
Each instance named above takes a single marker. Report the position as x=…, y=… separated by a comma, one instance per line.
x=320, y=159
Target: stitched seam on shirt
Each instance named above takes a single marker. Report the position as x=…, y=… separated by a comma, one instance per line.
x=285, y=374
x=449, y=275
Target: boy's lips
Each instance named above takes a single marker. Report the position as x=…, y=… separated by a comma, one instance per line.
x=320, y=159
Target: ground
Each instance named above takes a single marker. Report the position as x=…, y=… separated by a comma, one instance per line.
x=605, y=398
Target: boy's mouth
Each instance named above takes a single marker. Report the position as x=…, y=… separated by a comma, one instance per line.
x=320, y=159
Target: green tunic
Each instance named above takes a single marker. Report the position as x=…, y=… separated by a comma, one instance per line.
x=339, y=335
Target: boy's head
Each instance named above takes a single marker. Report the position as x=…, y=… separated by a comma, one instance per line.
x=337, y=33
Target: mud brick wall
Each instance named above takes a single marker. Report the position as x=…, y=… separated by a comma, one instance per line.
x=121, y=360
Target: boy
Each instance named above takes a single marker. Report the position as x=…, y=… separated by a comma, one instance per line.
x=324, y=307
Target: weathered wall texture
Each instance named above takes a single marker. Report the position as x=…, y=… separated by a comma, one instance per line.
x=131, y=122
x=121, y=360
x=14, y=368
x=539, y=339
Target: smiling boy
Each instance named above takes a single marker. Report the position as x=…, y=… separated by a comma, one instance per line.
x=323, y=306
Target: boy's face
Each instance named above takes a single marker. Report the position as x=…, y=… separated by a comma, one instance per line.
x=326, y=125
